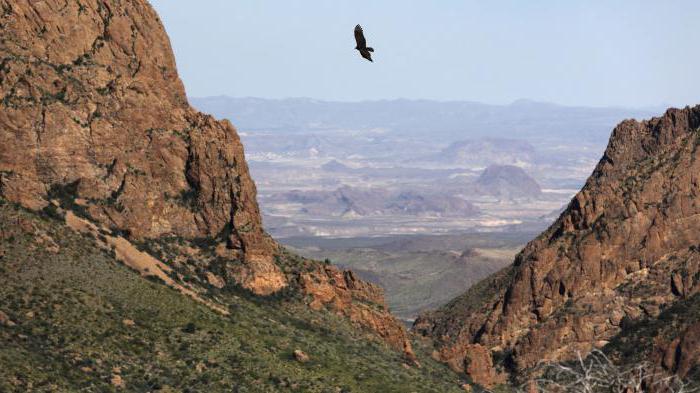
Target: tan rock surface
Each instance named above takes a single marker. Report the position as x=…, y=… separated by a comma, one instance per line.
x=300, y=356
x=117, y=381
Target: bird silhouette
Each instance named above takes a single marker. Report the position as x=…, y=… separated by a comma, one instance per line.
x=362, y=47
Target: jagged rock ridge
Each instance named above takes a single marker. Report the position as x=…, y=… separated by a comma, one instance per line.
x=625, y=249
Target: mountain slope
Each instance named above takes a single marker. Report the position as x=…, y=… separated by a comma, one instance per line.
x=73, y=317
x=624, y=250
x=96, y=131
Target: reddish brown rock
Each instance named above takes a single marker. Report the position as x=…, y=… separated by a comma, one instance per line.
x=626, y=247
x=477, y=363
x=91, y=98
x=215, y=280
x=683, y=353
x=94, y=118
x=363, y=303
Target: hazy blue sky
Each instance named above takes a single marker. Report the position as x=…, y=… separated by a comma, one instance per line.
x=593, y=52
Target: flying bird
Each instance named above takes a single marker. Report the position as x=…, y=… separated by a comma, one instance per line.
x=365, y=51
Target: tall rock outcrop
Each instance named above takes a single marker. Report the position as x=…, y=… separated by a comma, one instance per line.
x=94, y=117
x=91, y=98
x=624, y=250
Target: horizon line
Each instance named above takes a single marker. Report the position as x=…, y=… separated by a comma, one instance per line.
x=519, y=101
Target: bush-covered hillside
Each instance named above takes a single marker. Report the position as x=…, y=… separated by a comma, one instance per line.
x=73, y=318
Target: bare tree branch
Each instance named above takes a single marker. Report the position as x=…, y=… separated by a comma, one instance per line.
x=597, y=373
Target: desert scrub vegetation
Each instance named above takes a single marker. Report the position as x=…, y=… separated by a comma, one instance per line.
x=81, y=319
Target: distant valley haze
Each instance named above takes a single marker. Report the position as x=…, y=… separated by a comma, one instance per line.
x=422, y=197
x=474, y=115
x=376, y=168
x=475, y=125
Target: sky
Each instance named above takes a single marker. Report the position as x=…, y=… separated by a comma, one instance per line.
x=632, y=53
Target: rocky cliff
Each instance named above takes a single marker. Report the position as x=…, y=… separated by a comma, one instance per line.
x=92, y=99
x=624, y=250
x=94, y=119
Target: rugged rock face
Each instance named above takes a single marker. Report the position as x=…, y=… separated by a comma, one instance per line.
x=624, y=249
x=94, y=117
x=360, y=301
x=682, y=354
x=91, y=98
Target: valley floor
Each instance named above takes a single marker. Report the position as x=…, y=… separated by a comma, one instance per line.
x=418, y=272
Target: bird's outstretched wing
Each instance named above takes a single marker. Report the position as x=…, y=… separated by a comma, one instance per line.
x=360, y=37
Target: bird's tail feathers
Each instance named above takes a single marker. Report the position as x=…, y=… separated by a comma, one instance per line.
x=370, y=49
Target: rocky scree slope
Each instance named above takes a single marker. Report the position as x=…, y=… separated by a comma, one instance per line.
x=625, y=250
x=94, y=120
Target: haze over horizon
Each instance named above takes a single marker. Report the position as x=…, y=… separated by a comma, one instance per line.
x=659, y=107
x=627, y=53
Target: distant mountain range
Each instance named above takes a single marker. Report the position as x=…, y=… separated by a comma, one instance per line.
x=486, y=151
x=451, y=198
x=449, y=120
x=354, y=201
